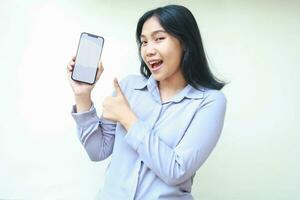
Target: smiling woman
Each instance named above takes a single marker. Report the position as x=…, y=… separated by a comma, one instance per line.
x=162, y=53
x=158, y=128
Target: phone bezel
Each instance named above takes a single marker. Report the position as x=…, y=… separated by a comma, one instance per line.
x=90, y=35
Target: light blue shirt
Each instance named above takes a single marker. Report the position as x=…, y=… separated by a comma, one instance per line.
x=159, y=155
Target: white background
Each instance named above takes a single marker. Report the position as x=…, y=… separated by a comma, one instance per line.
x=254, y=45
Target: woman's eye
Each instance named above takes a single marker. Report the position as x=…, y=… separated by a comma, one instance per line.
x=159, y=38
x=143, y=43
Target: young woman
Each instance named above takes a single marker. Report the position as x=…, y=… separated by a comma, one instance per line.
x=160, y=127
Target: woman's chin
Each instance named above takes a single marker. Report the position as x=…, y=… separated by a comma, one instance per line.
x=158, y=77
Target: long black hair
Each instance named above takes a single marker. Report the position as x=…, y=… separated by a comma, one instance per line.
x=179, y=21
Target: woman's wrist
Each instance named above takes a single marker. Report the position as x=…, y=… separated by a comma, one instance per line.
x=128, y=120
x=85, y=93
x=83, y=103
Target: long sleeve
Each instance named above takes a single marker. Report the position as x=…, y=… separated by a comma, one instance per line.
x=176, y=165
x=96, y=135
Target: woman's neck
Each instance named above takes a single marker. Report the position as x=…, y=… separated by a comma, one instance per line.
x=171, y=86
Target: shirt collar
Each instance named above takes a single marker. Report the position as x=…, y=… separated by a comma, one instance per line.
x=187, y=92
x=140, y=84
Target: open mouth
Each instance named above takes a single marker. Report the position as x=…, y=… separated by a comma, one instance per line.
x=155, y=64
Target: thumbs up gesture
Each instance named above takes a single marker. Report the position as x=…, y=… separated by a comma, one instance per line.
x=117, y=108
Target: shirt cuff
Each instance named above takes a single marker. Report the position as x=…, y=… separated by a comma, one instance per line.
x=85, y=118
x=136, y=134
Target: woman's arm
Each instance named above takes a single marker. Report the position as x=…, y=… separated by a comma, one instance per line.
x=96, y=135
x=176, y=165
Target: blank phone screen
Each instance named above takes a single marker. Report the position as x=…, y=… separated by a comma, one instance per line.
x=87, y=59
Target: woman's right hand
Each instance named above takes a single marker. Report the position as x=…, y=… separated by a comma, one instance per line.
x=82, y=91
x=79, y=88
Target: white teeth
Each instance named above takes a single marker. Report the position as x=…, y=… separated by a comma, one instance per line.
x=153, y=62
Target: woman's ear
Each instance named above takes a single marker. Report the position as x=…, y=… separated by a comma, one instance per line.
x=183, y=49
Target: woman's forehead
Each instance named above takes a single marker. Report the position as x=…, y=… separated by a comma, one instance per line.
x=152, y=25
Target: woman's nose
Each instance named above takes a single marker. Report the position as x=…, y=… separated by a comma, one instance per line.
x=150, y=50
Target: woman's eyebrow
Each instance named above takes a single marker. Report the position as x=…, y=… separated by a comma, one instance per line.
x=154, y=32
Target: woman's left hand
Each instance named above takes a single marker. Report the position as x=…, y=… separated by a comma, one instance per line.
x=117, y=108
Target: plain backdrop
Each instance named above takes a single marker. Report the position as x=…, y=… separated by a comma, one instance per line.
x=251, y=44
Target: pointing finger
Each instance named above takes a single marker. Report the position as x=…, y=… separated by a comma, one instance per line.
x=117, y=87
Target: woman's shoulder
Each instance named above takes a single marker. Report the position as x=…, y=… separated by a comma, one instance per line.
x=214, y=95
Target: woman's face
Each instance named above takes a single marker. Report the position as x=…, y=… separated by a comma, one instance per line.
x=160, y=51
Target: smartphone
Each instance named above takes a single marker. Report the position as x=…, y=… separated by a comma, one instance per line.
x=87, y=58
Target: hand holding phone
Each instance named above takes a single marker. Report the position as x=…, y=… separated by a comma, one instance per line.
x=87, y=59
x=79, y=88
